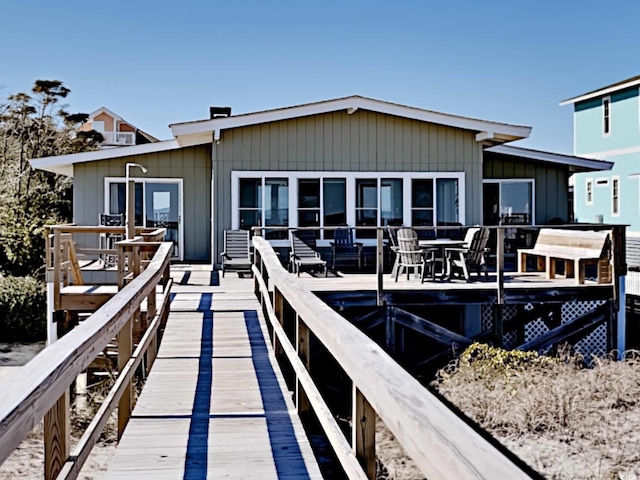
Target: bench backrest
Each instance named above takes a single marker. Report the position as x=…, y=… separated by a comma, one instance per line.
x=574, y=243
x=303, y=244
x=236, y=244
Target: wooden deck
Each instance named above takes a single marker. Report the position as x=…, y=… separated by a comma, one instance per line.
x=215, y=404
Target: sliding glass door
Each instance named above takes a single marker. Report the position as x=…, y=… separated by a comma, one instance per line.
x=158, y=204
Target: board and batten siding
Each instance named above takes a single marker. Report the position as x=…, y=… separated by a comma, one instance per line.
x=192, y=164
x=551, y=183
x=364, y=141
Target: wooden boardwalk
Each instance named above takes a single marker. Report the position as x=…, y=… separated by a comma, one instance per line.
x=215, y=404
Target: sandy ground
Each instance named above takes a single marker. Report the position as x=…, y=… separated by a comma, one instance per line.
x=27, y=461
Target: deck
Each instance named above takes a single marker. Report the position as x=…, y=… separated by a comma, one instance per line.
x=215, y=404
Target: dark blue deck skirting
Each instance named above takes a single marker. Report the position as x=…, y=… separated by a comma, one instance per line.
x=195, y=465
x=284, y=444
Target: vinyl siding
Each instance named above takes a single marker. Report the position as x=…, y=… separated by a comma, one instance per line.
x=192, y=164
x=362, y=142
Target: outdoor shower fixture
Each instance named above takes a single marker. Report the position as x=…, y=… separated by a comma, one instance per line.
x=130, y=199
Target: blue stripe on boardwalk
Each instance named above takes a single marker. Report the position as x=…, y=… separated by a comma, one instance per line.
x=195, y=465
x=284, y=444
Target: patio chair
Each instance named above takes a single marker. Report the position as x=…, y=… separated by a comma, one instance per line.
x=393, y=246
x=236, y=255
x=344, y=246
x=413, y=257
x=471, y=256
x=303, y=252
x=108, y=240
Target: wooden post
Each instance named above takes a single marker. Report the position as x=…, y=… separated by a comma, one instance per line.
x=278, y=309
x=56, y=268
x=304, y=352
x=121, y=270
x=57, y=429
x=125, y=349
x=379, y=265
x=500, y=264
x=131, y=209
x=364, y=433
x=390, y=329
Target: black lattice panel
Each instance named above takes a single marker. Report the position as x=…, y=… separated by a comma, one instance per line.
x=534, y=329
x=573, y=310
x=487, y=317
x=593, y=344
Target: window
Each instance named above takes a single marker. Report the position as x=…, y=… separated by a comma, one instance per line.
x=508, y=202
x=334, y=203
x=357, y=199
x=589, y=191
x=615, y=196
x=276, y=205
x=602, y=182
x=606, y=115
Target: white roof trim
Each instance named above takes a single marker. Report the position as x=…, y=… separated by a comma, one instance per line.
x=557, y=158
x=63, y=164
x=501, y=131
x=600, y=93
x=115, y=116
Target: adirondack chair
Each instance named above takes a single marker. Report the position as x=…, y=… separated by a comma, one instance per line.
x=393, y=246
x=303, y=252
x=413, y=257
x=471, y=256
x=344, y=246
x=236, y=255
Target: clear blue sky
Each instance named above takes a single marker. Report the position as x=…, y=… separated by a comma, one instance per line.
x=161, y=62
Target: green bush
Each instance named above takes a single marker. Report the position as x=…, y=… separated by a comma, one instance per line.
x=23, y=309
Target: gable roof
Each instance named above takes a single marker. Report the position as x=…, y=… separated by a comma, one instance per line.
x=117, y=117
x=575, y=164
x=600, y=92
x=200, y=131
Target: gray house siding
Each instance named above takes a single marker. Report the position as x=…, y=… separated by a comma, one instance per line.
x=363, y=141
x=551, y=183
x=192, y=164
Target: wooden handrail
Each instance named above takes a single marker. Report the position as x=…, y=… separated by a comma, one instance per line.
x=46, y=379
x=442, y=444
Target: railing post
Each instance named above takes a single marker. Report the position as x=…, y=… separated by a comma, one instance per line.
x=57, y=429
x=379, y=265
x=125, y=349
x=363, y=433
x=500, y=264
x=278, y=310
x=56, y=268
x=304, y=353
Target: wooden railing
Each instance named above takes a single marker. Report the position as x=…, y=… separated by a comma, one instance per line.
x=42, y=388
x=441, y=444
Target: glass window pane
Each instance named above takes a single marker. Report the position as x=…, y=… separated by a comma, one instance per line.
x=367, y=193
x=249, y=218
x=118, y=200
x=276, y=211
x=422, y=218
x=250, y=193
x=308, y=218
x=422, y=193
x=447, y=200
x=309, y=193
x=366, y=218
x=515, y=203
x=391, y=201
x=334, y=201
x=490, y=203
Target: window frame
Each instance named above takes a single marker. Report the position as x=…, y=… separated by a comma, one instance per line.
x=350, y=178
x=615, y=196
x=588, y=191
x=606, y=116
x=500, y=181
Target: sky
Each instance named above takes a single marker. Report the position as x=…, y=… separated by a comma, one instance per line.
x=160, y=62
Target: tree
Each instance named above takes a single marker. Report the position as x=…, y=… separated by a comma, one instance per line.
x=31, y=126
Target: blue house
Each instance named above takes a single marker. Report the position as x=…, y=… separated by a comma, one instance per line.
x=606, y=126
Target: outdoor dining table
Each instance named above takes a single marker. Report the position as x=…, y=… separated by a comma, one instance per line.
x=441, y=244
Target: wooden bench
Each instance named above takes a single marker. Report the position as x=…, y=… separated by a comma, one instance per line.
x=575, y=248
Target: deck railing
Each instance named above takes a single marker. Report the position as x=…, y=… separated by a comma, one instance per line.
x=42, y=388
x=119, y=138
x=441, y=444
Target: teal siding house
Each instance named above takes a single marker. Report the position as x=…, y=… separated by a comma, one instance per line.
x=606, y=126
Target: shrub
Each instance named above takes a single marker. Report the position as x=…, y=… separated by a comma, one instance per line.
x=23, y=304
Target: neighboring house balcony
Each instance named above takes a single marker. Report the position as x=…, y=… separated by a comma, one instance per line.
x=119, y=138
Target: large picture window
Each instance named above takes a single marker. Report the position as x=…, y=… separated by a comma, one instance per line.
x=508, y=202
x=356, y=199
